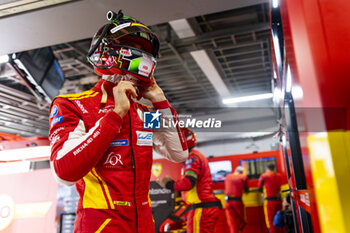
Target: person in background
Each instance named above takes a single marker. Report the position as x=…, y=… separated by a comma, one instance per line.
x=235, y=184
x=197, y=190
x=98, y=142
x=284, y=217
x=270, y=184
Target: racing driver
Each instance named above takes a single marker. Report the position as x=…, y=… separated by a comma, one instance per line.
x=98, y=138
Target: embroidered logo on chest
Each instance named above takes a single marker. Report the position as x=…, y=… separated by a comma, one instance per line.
x=106, y=109
x=82, y=108
x=114, y=159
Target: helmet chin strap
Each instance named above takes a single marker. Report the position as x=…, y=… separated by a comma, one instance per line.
x=116, y=78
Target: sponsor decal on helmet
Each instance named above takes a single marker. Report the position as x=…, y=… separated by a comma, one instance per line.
x=119, y=27
x=125, y=52
x=124, y=25
x=145, y=66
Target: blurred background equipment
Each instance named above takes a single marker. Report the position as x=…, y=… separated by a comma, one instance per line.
x=40, y=71
x=162, y=203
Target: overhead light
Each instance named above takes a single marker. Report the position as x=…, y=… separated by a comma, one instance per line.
x=28, y=153
x=274, y=75
x=276, y=46
x=4, y=58
x=247, y=98
x=284, y=141
x=16, y=7
x=182, y=28
x=288, y=80
x=277, y=95
x=297, y=92
x=275, y=3
x=208, y=68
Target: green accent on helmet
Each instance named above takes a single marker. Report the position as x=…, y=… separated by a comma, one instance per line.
x=128, y=17
x=134, y=64
x=119, y=61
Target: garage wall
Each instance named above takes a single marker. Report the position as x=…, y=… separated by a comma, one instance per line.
x=235, y=147
x=238, y=147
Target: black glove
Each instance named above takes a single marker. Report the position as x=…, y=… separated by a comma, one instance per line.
x=170, y=185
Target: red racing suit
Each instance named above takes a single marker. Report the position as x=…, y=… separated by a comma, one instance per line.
x=235, y=185
x=109, y=158
x=200, y=190
x=270, y=182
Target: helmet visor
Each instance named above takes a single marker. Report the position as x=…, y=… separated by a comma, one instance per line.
x=129, y=28
x=139, y=30
x=118, y=58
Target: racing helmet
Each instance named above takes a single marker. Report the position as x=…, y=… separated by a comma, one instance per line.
x=124, y=46
x=190, y=137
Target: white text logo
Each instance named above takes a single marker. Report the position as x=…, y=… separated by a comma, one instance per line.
x=114, y=159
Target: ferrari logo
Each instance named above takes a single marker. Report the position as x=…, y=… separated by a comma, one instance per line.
x=156, y=169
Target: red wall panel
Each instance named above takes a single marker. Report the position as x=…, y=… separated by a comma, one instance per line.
x=34, y=202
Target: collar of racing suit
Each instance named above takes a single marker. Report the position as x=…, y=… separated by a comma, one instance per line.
x=115, y=78
x=105, y=86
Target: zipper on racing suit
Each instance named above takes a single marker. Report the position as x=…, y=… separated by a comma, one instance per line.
x=133, y=167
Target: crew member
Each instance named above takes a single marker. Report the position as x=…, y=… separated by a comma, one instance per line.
x=235, y=184
x=197, y=187
x=98, y=139
x=284, y=217
x=270, y=183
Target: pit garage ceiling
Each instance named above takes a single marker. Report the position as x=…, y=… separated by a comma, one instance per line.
x=234, y=34
x=76, y=20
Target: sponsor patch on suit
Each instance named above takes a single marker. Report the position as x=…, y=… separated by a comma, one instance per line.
x=189, y=161
x=54, y=111
x=57, y=119
x=122, y=142
x=144, y=138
